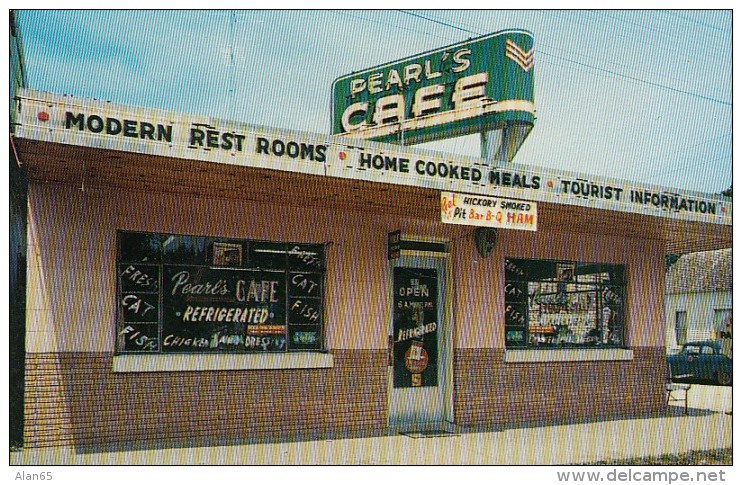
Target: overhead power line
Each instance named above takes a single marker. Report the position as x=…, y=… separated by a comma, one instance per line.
x=697, y=22
x=687, y=167
x=607, y=71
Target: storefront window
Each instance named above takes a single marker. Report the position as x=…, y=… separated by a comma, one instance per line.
x=563, y=304
x=181, y=293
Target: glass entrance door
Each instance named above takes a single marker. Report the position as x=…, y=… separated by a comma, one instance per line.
x=420, y=339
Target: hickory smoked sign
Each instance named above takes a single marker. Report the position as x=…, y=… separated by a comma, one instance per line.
x=474, y=210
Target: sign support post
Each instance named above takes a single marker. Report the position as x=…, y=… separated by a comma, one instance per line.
x=490, y=141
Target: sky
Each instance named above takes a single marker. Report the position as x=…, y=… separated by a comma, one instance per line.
x=639, y=95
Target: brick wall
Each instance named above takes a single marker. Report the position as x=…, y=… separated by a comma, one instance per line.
x=75, y=399
x=489, y=391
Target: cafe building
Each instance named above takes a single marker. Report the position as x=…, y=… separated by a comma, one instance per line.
x=194, y=281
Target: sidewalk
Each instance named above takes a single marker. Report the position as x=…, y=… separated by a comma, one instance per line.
x=708, y=426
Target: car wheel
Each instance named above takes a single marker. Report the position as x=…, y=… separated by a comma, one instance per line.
x=724, y=378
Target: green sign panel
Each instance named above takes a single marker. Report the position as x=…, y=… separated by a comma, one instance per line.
x=479, y=85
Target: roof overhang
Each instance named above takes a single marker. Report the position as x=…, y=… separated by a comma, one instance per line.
x=97, y=145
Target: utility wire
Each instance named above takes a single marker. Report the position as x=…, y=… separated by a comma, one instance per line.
x=649, y=83
x=669, y=169
x=613, y=73
x=695, y=164
x=346, y=14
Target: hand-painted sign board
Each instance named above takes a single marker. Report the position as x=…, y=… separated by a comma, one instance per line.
x=203, y=294
x=475, y=210
x=89, y=123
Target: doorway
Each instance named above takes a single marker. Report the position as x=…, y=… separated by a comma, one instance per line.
x=420, y=391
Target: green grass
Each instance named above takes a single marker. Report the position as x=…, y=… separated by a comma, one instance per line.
x=710, y=457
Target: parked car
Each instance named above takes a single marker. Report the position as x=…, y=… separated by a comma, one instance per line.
x=701, y=361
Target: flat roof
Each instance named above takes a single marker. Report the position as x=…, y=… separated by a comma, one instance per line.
x=66, y=140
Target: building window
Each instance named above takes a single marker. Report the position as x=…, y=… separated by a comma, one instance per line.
x=681, y=327
x=181, y=294
x=722, y=322
x=563, y=304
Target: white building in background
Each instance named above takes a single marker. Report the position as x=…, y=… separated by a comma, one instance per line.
x=699, y=297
